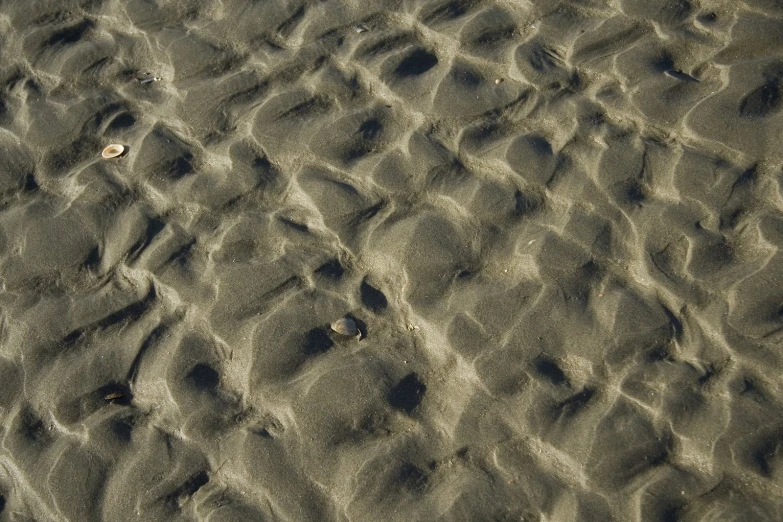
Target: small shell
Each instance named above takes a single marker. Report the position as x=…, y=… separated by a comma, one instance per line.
x=345, y=326
x=112, y=151
x=679, y=75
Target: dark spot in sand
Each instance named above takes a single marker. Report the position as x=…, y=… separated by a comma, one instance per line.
x=367, y=213
x=540, y=145
x=385, y=45
x=572, y=405
x=370, y=129
x=413, y=478
x=261, y=162
x=448, y=11
x=366, y=140
x=204, y=377
x=154, y=227
x=494, y=36
x=362, y=326
x=73, y=337
x=331, y=269
x=676, y=324
x=70, y=34
x=416, y=63
x=181, y=166
x=466, y=273
x=263, y=433
x=768, y=453
x=748, y=177
x=182, y=254
x=709, y=372
x=130, y=313
x=317, y=341
x=372, y=298
x=301, y=227
x=122, y=429
x=123, y=121
x=305, y=110
x=33, y=89
x=657, y=353
x=542, y=59
x=525, y=204
x=187, y=489
x=466, y=77
x=671, y=513
x=30, y=185
x=761, y=102
x=748, y=386
x=634, y=192
x=289, y=25
x=31, y=426
x=407, y=394
x=93, y=258
x=549, y=369
x=663, y=62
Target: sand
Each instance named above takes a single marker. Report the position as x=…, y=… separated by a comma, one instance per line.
x=556, y=226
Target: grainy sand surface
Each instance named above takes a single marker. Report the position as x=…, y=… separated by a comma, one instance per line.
x=557, y=226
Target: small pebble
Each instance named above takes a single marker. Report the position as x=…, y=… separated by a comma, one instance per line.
x=112, y=151
x=345, y=326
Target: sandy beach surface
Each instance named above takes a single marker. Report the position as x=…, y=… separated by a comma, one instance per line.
x=391, y=260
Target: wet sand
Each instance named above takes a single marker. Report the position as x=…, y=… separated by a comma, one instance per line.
x=556, y=226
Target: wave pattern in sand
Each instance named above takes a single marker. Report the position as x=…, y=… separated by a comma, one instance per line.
x=557, y=226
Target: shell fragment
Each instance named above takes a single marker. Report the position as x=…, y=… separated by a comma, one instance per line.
x=346, y=326
x=112, y=151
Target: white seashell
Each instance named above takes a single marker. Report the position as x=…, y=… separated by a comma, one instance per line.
x=112, y=151
x=345, y=326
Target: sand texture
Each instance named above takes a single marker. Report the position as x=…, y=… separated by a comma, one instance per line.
x=552, y=231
